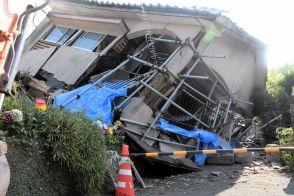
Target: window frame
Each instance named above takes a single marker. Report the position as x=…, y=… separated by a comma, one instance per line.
x=64, y=34
x=82, y=36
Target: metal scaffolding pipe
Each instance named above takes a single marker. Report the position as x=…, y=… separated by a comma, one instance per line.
x=229, y=104
x=157, y=139
x=192, y=96
x=212, y=89
x=167, y=103
x=241, y=101
x=150, y=78
x=196, y=52
x=168, y=40
x=216, y=114
x=199, y=93
x=145, y=62
x=192, y=88
x=176, y=105
x=194, y=77
x=174, y=75
x=227, y=110
x=192, y=47
x=134, y=122
x=105, y=76
x=214, y=56
x=95, y=83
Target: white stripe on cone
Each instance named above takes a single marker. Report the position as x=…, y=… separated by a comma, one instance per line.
x=126, y=172
x=121, y=184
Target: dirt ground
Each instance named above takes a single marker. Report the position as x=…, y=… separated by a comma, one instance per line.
x=258, y=178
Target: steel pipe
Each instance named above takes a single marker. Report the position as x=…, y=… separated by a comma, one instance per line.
x=150, y=78
x=157, y=139
x=105, y=76
x=167, y=103
x=215, y=56
x=176, y=105
x=194, y=77
x=168, y=40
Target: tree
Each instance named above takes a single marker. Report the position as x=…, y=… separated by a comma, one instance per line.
x=280, y=81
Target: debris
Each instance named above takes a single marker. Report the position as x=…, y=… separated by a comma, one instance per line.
x=215, y=173
x=112, y=166
x=138, y=177
x=276, y=165
x=246, y=157
x=272, y=156
x=164, y=78
x=36, y=88
x=225, y=159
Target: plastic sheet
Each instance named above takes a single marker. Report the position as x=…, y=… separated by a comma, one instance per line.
x=209, y=140
x=96, y=103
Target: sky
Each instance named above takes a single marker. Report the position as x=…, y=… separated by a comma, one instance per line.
x=271, y=21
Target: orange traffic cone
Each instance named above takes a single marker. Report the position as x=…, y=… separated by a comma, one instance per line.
x=125, y=185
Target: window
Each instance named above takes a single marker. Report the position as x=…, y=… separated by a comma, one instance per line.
x=59, y=35
x=89, y=41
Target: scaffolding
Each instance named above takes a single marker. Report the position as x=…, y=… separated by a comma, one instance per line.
x=204, y=111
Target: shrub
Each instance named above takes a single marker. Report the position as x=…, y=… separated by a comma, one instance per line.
x=285, y=136
x=69, y=138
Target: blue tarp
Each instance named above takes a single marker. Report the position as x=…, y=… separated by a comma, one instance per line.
x=96, y=102
x=209, y=140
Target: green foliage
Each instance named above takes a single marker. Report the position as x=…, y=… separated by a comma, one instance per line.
x=73, y=140
x=280, y=80
x=114, y=142
x=286, y=138
x=69, y=138
x=274, y=98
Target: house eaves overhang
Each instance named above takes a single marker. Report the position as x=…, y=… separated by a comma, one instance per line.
x=201, y=14
x=204, y=13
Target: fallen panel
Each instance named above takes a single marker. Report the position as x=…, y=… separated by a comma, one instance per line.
x=182, y=163
x=33, y=60
x=137, y=110
x=170, y=148
x=68, y=64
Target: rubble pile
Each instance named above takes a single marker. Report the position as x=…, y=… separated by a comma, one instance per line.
x=176, y=85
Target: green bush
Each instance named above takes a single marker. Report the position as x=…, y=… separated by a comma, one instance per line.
x=69, y=138
x=286, y=138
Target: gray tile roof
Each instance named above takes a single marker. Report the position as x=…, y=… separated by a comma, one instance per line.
x=203, y=12
x=210, y=13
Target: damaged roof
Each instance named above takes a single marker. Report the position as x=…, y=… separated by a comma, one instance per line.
x=203, y=11
x=200, y=12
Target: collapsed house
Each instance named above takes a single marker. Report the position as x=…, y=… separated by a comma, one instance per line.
x=192, y=68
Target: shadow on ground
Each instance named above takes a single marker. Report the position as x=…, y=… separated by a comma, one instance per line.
x=290, y=188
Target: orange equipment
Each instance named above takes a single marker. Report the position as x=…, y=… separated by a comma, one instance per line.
x=12, y=39
x=7, y=30
x=125, y=185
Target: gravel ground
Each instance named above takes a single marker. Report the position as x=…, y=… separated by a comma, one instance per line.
x=258, y=178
